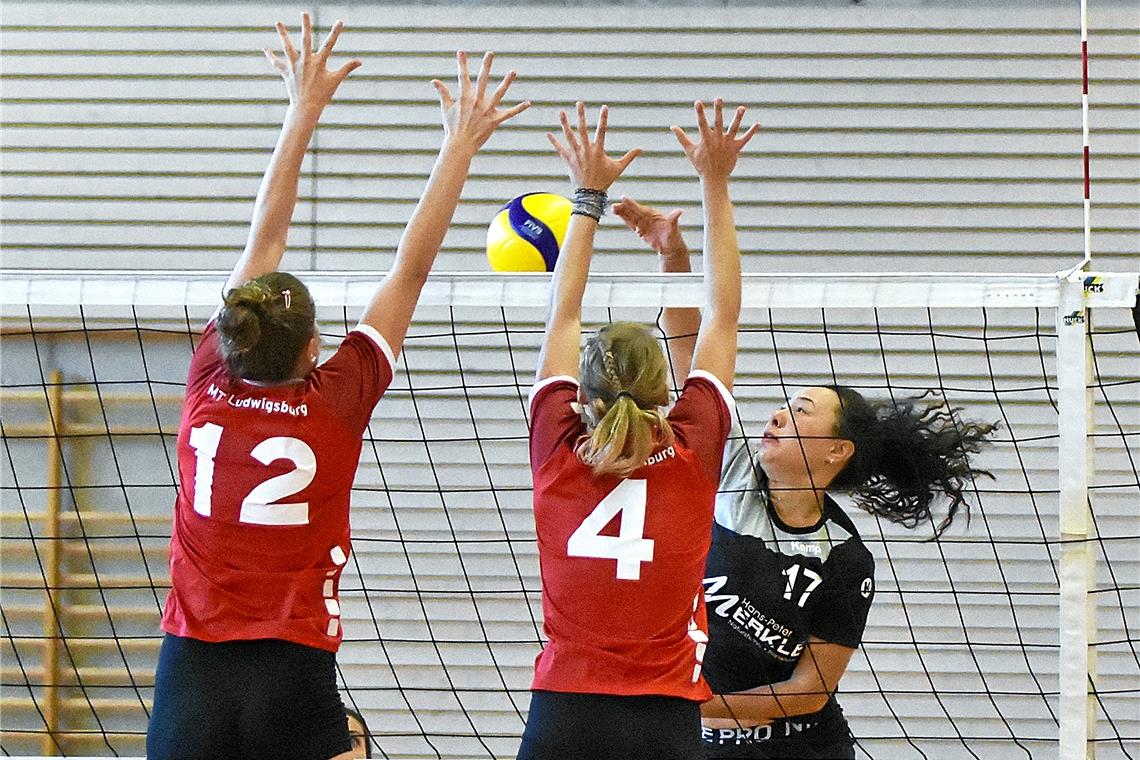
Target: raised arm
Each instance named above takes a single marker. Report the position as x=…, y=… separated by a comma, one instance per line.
x=590, y=170
x=662, y=232
x=714, y=158
x=310, y=86
x=468, y=121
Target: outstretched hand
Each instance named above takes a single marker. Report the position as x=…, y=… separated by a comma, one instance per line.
x=307, y=79
x=662, y=232
x=589, y=165
x=471, y=118
x=714, y=157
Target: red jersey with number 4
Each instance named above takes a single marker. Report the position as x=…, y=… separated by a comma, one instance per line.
x=265, y=473
x=622, y=559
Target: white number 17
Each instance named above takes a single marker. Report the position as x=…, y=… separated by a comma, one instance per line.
x=793, y=573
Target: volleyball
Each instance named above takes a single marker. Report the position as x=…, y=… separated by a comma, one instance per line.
x=527, y=233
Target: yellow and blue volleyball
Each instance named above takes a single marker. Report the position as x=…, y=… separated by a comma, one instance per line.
x=527, y=233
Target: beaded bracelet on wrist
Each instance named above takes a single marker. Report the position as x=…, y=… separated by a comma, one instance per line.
x=589, y=202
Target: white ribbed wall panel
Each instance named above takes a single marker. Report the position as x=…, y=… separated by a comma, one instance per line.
x=903, y=138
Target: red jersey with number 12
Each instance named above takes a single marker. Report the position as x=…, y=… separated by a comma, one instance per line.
x=265, y=473
x=622, y=559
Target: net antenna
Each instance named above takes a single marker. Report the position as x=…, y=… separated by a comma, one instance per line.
x=1086, y=261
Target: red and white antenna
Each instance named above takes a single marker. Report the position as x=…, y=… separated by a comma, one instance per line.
x=1085, y=127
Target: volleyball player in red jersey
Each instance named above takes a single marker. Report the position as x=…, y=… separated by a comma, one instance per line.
x=623, y=494
x=268, y=447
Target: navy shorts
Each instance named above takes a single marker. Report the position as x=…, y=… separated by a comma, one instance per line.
x=245, y=699
x=564, y=726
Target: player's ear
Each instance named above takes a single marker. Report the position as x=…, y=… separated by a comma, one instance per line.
x=841, y=451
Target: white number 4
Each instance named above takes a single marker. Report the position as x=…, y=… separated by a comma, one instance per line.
x=630, y=548
x=793, y=573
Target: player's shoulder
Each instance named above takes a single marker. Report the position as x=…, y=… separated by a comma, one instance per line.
x=550, y=386
x=700, y=382
x=364, y=334
x=847, y=543
x=841, y=525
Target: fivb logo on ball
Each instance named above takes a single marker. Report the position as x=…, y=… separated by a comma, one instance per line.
x=527, y=233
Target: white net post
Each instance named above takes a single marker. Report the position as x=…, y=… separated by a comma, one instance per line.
x=1078, y=560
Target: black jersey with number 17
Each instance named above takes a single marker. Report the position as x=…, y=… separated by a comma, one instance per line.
x=770, y=588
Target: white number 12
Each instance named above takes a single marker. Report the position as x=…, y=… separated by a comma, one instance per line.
x=630, y=547
x=257, y=508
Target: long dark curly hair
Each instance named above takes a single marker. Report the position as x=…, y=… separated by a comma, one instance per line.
x=906, y=452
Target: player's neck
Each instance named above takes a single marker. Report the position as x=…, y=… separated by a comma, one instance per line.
x=263, y=384
x=796, y=506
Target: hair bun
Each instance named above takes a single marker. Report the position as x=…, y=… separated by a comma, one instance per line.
x=240, y=319
x=251, y=295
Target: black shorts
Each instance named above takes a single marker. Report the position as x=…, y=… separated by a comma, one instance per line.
x=564, y=726
x=820, y=736
x=245, y=699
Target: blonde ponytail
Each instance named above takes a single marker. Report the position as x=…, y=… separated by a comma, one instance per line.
x=623, y=377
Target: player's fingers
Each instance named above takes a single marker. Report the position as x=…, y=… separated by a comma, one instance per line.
x=484, y=75
x=276, y=62
x=748, y=135
x=557, y=145
x=718, y=115
x=631, y=212
x=343, y=72
x=501, y=91
x=627, y=159
x=462, y=76
x=330, y=41
x=674, y=217
x=732, y=129
x=306, y=34
x=445, y=98
x=702, y=122
x=600, y=131
x=627, y=208
x=641, y=214
x=682, y=138
x=510, y=113
x=286, y=43
x=571, y=139
x=583, y=130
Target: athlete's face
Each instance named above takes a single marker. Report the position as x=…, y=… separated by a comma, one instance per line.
x=359, y=737
x=800, y=444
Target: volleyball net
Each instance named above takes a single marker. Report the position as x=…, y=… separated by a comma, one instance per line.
x=1015, y=635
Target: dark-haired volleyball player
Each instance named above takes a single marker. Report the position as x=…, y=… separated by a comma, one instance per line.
x=789, y=582
x=623, y=494
x=267, y=450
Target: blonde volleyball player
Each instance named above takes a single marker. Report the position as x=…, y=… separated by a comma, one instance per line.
x=789, y=582
x=620, y=676
x=267, y=450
